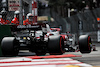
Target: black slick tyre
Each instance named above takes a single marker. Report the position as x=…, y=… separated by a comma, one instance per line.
x=56, y=45
x=9, y=46
x=85, y=44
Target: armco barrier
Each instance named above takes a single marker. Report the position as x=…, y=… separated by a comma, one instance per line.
x=5, y=31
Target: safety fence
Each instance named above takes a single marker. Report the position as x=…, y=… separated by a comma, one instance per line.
x=81, y=23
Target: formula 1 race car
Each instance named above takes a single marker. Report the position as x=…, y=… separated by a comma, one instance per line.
x=70, y=43
x=26, y=37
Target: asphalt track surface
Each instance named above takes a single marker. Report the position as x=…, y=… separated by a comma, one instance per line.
x=92, y=58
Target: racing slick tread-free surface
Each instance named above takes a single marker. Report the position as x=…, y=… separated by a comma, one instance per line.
x=85, y=44
x=10, y=46
x=56, y=45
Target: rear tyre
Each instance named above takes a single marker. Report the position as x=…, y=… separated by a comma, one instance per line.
x=10, y=46
x=56, y=45
x=85, y=44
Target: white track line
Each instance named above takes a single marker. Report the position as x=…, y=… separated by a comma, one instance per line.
x=28, y=62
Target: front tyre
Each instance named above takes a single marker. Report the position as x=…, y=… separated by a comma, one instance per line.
x=85, y=44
